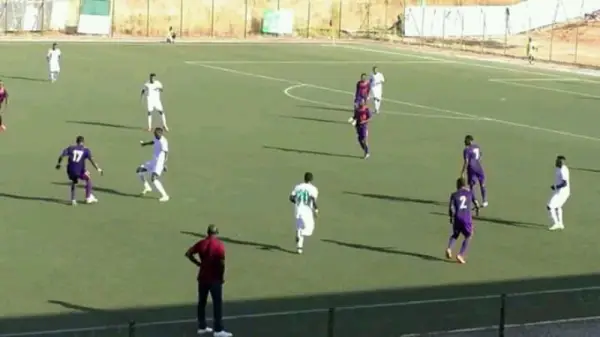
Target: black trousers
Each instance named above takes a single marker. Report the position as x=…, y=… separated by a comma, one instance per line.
x=216, y=294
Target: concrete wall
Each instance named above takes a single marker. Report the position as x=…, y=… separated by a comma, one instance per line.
x=237, y=17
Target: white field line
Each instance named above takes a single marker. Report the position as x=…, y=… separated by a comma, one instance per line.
x=538, y=79
x=507, y=326
x=414, y=105
x=287, y=92
x=478, y=63
x=330, y=62
x=323, y=310
x=537, y=87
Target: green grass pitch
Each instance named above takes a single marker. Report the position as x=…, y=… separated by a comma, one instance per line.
x=240, y=141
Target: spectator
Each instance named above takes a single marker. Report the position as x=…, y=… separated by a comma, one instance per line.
x=211, y=253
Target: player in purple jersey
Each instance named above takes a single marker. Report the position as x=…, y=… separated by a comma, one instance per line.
x=459, y=210
x=76, y=171
x=473, y=170
x=363, y=88
x=362, y=116
x=3, y=103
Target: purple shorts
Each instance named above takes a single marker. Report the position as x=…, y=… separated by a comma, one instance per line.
x=475, y=177
x=76, y=176
x=361, y=132
x=460, y=226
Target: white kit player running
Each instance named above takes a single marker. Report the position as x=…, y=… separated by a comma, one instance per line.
x=156, y=166
x=53, y=58
x=304, y=197
x=152, y=91
x=562, y=191
x=377, y=79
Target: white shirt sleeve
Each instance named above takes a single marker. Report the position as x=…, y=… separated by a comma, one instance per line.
x=164, y=144
x=564, y=173
x=315, y=192
x=382, y=77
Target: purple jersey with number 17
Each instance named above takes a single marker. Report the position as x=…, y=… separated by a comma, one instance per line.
x=77, y=155
x=472, y=153
x=460, y=207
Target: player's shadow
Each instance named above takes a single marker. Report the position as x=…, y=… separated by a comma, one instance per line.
x=318, y=153
x=397, y=198
x=313, y=119
x=31, y=198
x=387, y=250
x=325, y=107
x=581, y=169
x=105, y=125
x=259, y=245
x=504, y=222
x=24, y=78
x=105, y=190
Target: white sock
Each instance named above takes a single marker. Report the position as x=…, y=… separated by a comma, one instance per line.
x=377, y=104
x=300, y=238
x=164, y=119
x=142, y=176
x=559, y=215
x=149, y=121
x=553, y=216
x=160, y=188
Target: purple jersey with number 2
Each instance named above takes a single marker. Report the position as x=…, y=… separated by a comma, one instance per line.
x=77, y=154
x=460, y=208
x=472, y=154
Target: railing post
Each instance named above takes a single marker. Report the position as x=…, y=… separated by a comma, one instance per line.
x=180, y=18
x=340, y=20
x=112, y=17
x=502, y=323
x=212, y=18
x=147, y=18
x=131, y=329
x=331, y=322
x=6, y=17
x=246, y=19
x=308, y=21
x=43, y=17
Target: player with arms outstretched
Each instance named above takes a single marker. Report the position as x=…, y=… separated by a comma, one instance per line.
x=363, y=88
x=76, y=170
x=156, y=166
x=377, y=79
x=459, y=210
x=152, y=91
x=3, y=104
x=304, y=197
x=561, y=193
x=53, y=57
x=472, y=169
x=362, y=116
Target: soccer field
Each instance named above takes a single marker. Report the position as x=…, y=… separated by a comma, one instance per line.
x=247, y=120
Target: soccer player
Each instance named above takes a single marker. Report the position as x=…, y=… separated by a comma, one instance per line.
x=3, y=104
x=562, y=191
x=156, y=166
x=171, y=35
x=363, y=89
x=152, y=90
x=53, y=58
x=76, y=171
x=377, y=79
x=362, y=116
x=304, y=197
x=473, y=169
x=461, y=220
x=530, y=50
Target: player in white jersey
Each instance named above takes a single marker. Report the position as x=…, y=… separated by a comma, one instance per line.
x=152, y=91
x=156, y=166
x=53, y=58
x=377, y=79
x=304, y=197
x=562, y=191
x=531, y=49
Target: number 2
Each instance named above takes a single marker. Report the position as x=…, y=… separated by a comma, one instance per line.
x=476, y=153
x=463, y=202
x=77, y=155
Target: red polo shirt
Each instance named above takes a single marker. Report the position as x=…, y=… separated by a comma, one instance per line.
x=211, y=252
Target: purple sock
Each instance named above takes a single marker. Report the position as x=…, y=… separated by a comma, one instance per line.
x=73, y=191
x=451, y=242
x=88, y=188
x=483, y=192
x=464, y=246
x=362, y=144
x=366, y=148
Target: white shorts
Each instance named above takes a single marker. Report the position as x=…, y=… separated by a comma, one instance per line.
x=558, y=199
x=155, y=105
x=156, y=166
x=54, y=67
x=305, y=223
x=376, y=94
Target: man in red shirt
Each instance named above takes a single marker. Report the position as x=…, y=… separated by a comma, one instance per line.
x=211, y=252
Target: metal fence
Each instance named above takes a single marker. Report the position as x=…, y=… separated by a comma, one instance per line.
x=575, y=41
